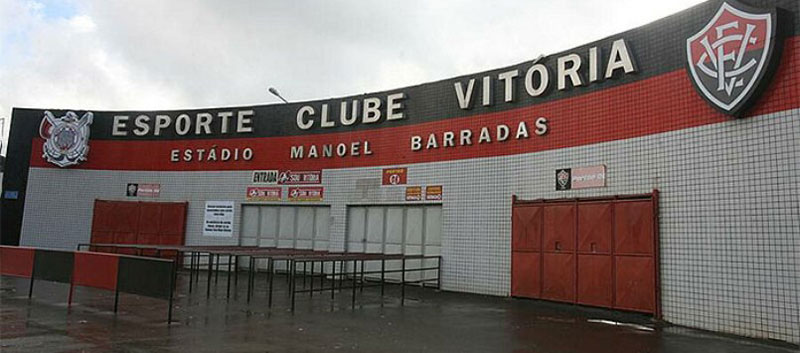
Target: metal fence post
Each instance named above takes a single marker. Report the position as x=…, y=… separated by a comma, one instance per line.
x=292, y=283
x=403, y=282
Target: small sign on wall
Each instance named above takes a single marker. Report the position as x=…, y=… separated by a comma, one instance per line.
x=289, y=177
x=132, y=190
x=265, y=177
x=395, y=176
x=433, y=193
x=414, y=193
x=263, y=193
x=149, y=190
x=581, y=178
x=307, y=193
x=589, y=177
x=218, y=221
x=142, y=190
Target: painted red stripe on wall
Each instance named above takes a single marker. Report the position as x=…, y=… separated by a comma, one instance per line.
x=663, y=103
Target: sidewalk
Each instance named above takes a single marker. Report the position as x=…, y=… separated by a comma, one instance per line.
x=430, y=321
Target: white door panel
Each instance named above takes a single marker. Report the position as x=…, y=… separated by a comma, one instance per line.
x=299, y=227
x=410, y=230
x=322, y=219
x=249, y=230
x=356, y=229
x=268, y=230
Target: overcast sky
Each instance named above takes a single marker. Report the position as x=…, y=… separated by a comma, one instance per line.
x=164, y=54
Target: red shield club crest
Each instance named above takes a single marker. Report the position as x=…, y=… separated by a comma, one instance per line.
x=728, y=57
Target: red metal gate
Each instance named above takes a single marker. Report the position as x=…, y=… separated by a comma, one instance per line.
x=599, y=252
x=138, y=222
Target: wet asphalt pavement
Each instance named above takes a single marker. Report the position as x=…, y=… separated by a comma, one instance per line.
x=430, y=321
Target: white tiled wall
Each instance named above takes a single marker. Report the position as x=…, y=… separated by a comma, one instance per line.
x=729, y=213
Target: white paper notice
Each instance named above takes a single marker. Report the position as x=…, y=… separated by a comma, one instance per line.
x=219, y=219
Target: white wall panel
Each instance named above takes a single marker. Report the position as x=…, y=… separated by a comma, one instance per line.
x=268, y=229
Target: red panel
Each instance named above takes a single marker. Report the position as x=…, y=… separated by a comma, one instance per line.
x=173, y=219
x=102, y=219
x=595, y=281
x=126, y=217
x=132, y=222
x=149, y=218
x=125, y=238
x=635, y=283
x=172, y=240
x=558, y=282
x=16, y=261
x=525, y=274
x=149, y=239
x=526, y=228
x=96, y=270
x=634, y=227
x=559, y=227
x=595, y=227
x=102, y=237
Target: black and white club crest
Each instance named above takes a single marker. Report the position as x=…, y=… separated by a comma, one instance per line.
x=728, y=58
x=66, y=138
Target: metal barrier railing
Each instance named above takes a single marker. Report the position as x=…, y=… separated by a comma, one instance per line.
x=359, y=276
x=293, y=258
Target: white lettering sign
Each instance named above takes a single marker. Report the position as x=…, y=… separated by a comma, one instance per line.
x=372, y=110
x=570, y=71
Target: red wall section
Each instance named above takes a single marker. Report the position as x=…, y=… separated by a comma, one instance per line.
x=662, y=103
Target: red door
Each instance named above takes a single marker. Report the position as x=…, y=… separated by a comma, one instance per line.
x=634, y=244
x=558, y=258
x=595, y=263
x=559, y=228
x=598, y=252
x=526, y=259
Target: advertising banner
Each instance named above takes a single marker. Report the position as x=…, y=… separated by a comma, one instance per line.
x=289, y=177
x=263, y=193
x=306, y=193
